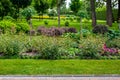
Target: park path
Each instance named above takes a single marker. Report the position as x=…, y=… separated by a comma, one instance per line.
x=56, y=78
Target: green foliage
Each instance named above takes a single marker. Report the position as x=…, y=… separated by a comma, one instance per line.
x=101, y=13
x=46, y=22
x=10, y=47
x=74, y=36
x=85, y=32
x=114, y=43
x=50, y=52
x=5, y=8
x=41, y=6
x=13, y=48
x=28, y=12
x=21, y=3
x=66, y=23
x=22, y=27
x=8, y=18
x=17, y=4
x=75, y=5
x=91, y=47
x=7, y=26
x=71, y=19
x=82, y=14
x=70, y=53
x=112, y=34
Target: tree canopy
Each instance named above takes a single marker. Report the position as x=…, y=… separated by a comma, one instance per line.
x=41, y=6
x=5, y=7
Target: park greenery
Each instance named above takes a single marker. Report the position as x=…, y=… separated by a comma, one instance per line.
x=47, y=29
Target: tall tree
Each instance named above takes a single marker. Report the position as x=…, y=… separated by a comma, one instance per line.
x=75, y=6
x=59, y=4
x=5, y=8
x=41, y=6
x=109, y=12
x=92, y=3
x=118, y=9
x=20, y=4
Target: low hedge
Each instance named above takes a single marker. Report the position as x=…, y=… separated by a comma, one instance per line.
x=11, y=27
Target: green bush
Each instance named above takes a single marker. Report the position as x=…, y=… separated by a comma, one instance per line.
x=71, y=19
x=13, y=48
x=2, y=47
x=23, y=27
x=89, y=52
x=85, y=20
x=66, y=23
x=70, y=53
x=50, y=52
x=7, y=26
x=85, y=32
x=10, y=46
x=91, y=47
x=113, y=34
x=46, y=22
x=8, y=18
x=74, y=36
x=114, y=43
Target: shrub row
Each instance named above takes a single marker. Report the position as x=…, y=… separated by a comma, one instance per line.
x=43, y=47
x=53, y=31
x=10, y=27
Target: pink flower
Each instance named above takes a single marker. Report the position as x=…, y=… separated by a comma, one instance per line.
x=110, y=50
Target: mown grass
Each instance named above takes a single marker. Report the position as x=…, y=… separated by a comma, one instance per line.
x=74, y=23
x=58, y=67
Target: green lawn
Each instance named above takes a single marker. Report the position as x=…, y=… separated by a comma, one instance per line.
x=54, y=23
x=57, y=67
x=75, y=24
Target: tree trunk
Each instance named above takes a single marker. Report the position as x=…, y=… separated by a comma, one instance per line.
x=58, y=11
x=109, y=13
x=118, y=9
x=92, y=3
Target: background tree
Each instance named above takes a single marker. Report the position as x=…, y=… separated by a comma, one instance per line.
x=41, y=6
x=118, y=9
x=5, y=8
x=75, y=6
x=17, y=4
x=92, y=3
x=109, y=12
x=28, y=13
x=59, y=4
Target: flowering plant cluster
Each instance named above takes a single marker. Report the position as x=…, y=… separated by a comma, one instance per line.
x=109, y=50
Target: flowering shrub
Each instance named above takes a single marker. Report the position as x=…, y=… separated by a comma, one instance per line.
x=53, y=31
x=111, y=51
